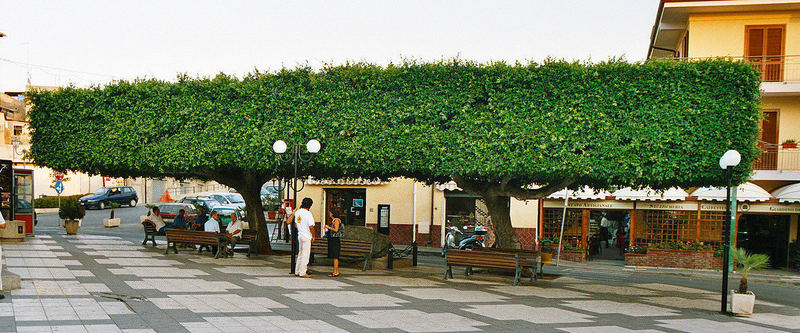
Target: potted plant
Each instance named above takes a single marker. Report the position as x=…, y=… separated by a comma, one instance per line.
x=112, y=222
x=789, y=143
x=71, y=212
x=742, y=299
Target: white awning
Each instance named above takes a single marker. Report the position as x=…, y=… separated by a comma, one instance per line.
x=357, y=181
x=648, y=194
x=450, y=186
x=586, y=193
x=745, y=192
x=788, y=193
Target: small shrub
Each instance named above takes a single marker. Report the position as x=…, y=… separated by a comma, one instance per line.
x=794, y=255
x=570, y=247
x=71, y=210
x=687, y=246
x=637, y=249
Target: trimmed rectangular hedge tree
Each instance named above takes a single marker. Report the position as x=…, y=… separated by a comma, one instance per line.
x=498, y=130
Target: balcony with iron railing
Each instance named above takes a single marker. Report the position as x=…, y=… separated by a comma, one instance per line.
x=783, y=68
x=782, y=157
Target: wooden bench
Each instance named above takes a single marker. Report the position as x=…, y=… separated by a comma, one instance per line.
x=487, y=259
x=175, y=236
x=530, y=259
x=150, y=233
x=248, y=238
x=349, y=248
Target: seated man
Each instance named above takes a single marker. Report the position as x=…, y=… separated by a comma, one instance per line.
x=200, y=222
x=156, y=220
x=234, y=232
x=179, y=222
x=212, y=225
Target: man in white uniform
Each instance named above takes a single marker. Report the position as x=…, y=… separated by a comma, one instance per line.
x=305, y=236
x=2, y=226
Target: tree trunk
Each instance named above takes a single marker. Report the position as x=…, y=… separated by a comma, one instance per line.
x=255, y=215
x=500, y=211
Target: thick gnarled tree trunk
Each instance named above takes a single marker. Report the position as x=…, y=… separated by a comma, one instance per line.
x=498, y=200
x=500, y=211
x=249, y=186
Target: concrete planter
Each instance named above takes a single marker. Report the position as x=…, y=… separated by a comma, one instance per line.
x=14, y=231
x=111, y=223
x=72, y=226
x=742, y=304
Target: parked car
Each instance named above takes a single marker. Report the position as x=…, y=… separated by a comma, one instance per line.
x=207, y=203
x=229, y=199
x=104, y=196
x=170, y=209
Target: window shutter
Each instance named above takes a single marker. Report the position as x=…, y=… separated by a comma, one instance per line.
x=755, y=42
x=774, y=43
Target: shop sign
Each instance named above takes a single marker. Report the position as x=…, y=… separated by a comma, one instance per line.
x=772, y=208
x=600, y=204
x=666, y=205
x=712, y=207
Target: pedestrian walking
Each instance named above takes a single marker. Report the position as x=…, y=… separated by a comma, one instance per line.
x=335, y=231
x=304, y=221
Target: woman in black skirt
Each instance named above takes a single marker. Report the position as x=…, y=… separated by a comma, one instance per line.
x=335, y=232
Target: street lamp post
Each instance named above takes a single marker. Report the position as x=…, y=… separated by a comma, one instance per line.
x=312, y=146
x=728, y=161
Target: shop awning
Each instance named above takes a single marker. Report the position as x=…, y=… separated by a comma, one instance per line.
x=586, y=193
x=746, y=192
x=788, y=193
x=356, y=181
x=451, y=186
x=648, y=194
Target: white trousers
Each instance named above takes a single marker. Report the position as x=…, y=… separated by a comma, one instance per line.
x=303, y=255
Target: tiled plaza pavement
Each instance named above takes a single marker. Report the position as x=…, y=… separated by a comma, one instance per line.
x=90, y=283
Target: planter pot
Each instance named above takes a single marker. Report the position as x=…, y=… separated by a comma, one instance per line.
x=245, y=225
x=72, y=226
x=742, y=304
x=271, y=214
x=789, y=145
x=111, y=223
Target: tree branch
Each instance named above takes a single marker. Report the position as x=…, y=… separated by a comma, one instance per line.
x=507, y=187
x=528, y=194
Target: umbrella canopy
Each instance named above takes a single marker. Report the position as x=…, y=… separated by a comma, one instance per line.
x=745, y=192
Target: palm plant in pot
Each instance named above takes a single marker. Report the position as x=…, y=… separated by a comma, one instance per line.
x=742, y=299
x=71, y=212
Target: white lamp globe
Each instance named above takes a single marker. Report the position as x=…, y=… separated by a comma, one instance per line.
x=730, y=158
x=279, y=147
x=313, y=146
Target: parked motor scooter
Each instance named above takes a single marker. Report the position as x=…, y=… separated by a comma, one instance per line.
x=454, y=239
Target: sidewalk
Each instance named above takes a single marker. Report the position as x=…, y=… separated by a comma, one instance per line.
x=763, y=276
x=92, y=283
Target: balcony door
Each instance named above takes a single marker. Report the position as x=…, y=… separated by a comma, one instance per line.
x=768, y=141
x=764, y=47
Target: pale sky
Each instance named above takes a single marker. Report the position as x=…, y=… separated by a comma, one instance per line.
x=149, y=38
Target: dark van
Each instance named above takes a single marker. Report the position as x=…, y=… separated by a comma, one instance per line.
x=104, y=196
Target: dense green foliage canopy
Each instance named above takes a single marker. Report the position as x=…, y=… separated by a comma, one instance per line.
x=658, y=124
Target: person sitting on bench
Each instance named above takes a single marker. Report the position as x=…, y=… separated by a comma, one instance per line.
x=156, y=220
x=212, y=226
x=234, y=232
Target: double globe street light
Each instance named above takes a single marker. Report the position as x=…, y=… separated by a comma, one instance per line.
x=279, y=147
x=728, y=161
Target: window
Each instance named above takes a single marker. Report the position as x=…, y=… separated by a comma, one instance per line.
x=17, y=130
x=763, y=46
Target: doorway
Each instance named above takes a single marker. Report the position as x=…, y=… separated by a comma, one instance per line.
x=608, y=243
x=348, y=204
x=767, y=234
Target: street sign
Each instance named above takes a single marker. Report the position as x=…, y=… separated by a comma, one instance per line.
x=59, y=186
x=59, y=176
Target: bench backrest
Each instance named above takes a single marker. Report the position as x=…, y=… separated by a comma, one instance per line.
x=349, y=247
x=248, y=234
x=488, y=259
x=526, y=257
x=191, y=236
x=148, y=228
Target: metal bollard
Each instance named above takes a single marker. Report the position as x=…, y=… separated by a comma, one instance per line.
x=414, y=254
x=390, y=259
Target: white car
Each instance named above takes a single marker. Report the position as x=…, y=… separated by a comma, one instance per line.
x=229, y=199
